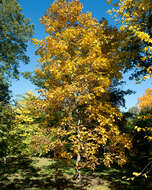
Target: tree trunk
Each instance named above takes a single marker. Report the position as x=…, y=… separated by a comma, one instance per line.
x=5, y=159
x=78, y=173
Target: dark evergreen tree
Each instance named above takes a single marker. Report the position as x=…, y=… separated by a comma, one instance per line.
x=15, y=31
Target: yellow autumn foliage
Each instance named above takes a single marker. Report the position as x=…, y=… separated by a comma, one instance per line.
x=145, y=101
x=80, y=58
x=135, y=18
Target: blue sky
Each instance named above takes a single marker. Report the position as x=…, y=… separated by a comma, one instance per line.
x=35, y=9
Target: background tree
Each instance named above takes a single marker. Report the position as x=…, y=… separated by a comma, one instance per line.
x=141, y=132
x=15, y=31
x=145, y=102
x=4, y=92
x=26, y=126
x=78, y=68
x=134, y=110
x=145, y=116
x=135, y=17
x=6, y=138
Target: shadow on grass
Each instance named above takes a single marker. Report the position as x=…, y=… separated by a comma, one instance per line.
x=19, y=174
x=116, y=177
x=41, y=174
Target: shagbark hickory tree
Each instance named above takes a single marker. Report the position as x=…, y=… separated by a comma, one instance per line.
x=79, y=59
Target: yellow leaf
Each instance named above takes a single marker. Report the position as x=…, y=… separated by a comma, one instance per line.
x=136, y=174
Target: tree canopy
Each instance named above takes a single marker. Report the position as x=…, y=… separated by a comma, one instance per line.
x=135, y=18
x=15, y=31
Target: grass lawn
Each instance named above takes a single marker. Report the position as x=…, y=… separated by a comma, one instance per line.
x=40, y=174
